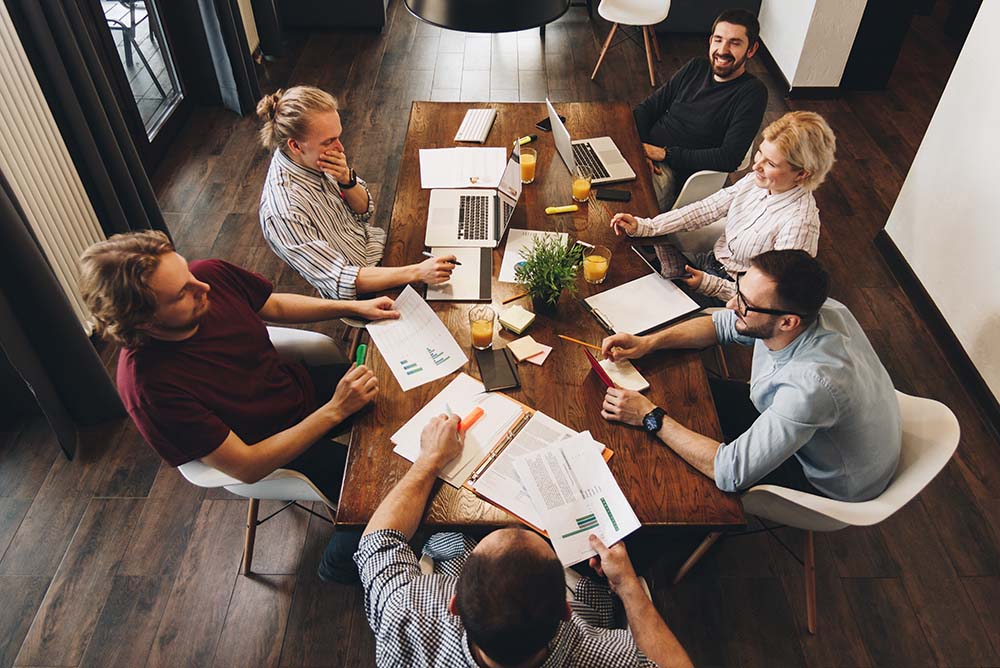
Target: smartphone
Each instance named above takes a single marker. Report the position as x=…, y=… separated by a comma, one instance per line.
x=546, y=123
x=613, y=195
x=497, y=369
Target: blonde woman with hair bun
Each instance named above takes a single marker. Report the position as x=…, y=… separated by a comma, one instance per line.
x=771, y=208
x=315, y=211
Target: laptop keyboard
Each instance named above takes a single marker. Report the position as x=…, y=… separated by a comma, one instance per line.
x=584, y=154
x=473, y=217
x=507, y=211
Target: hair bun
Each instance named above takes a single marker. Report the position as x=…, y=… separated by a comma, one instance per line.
x=267, y=108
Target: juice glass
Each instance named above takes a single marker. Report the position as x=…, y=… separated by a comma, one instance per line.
x=529, y=157
x=596, y=261
x=582, y=175
x=481, y=323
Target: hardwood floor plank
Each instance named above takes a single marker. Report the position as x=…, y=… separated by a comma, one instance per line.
x=196, y=609
x=26, y=458
x=68, y=615
x=127, y=625
x=693, y=611
x=160, y=540
x=255, y=625
x=132, y=466
x=280, y=540
x=12, y=512
x=985, y=592
x=757, y=615
x=21, y=598
x=41, y=540
x=887, y=622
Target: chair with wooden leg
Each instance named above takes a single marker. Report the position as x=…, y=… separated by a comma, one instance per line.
x=930, y=437
x=643, y=14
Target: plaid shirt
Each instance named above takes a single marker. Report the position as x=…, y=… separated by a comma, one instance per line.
x=408, y=611
x=755, y=222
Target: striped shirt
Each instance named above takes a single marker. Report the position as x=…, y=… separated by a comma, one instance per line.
x=408, y=612
x=756, y=222
x=307, y=223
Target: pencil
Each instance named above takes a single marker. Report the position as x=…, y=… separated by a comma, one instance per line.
x=510, y=299
x=582, y=343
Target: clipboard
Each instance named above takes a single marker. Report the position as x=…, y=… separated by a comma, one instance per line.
x=640, y=306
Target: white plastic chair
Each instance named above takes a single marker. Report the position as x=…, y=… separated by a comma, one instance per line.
x=707, y=182
x=311, y=348
x=642, y=13
x=930, y=437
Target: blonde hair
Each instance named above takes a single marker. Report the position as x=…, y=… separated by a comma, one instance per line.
x=807, y=143
x=114, y=283
x=286, y=113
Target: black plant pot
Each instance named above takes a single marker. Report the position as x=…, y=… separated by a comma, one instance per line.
x=543, y=307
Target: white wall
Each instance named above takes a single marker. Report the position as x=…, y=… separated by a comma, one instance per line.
x=946, y=221
x=810, y=40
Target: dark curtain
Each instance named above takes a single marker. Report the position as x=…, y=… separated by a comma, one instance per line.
x=227, y=42
x=41, y=337
x=85, y=107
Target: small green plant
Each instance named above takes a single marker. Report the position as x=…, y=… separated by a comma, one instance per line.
x=549, y=267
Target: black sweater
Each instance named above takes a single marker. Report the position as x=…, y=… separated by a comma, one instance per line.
x=702, y=123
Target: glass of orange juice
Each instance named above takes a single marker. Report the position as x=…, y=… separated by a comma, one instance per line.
x=481, y=323
x=529, y=157
x=582, y=175
x=596, y=261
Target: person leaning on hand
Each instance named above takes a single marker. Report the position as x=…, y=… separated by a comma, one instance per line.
x=820, y=413
x=315, y=210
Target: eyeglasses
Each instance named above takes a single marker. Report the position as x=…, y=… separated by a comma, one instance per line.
x=742, y=307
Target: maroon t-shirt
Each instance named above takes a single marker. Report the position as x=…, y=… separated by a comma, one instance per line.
x=185, y=396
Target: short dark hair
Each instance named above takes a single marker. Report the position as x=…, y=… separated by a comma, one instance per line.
x=511, y=601
x=740, y=17
x=802, y=282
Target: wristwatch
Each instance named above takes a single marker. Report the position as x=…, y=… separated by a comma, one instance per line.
x=350, y=184
x=653, y=420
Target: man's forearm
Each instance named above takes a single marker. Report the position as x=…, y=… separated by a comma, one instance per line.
x=290, y=308
x=356, y=198
x=694, y=448
x=376, y=279
x=694, y=333
x=652, y=635
x=404, y=506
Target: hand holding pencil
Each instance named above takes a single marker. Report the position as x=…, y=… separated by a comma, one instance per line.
x=619, y=347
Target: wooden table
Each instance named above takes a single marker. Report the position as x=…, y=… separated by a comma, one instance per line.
x=663, y=489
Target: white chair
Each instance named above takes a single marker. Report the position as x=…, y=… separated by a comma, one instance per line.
x=642, y=13
x=707, y=182
x=311, y=348
x=930, y=437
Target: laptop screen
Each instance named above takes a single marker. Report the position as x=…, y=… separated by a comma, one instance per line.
x=561, y=135
x=510, y=182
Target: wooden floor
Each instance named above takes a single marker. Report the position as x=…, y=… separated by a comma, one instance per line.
x=113, y=560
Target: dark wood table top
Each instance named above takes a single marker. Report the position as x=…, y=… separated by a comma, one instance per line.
x=662, y=488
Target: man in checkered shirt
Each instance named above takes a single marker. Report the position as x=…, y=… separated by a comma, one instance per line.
x=501, y=602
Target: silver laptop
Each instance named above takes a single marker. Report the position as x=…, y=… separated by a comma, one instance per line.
x=600, y=153
x=475, y=217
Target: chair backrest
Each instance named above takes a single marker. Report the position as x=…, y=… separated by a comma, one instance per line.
x=930, y=437
x=707, y=182
x=280, y=485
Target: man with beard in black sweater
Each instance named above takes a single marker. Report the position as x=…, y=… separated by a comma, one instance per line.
x=708, y=114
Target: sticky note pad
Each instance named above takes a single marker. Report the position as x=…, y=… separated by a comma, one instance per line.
x=517, y=319
x=524, y=348
x=540, y=358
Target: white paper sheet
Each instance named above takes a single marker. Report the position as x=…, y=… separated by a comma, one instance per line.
x=417, y=347
x=516, y=240
x=575, y=494
x=643, y=304
x=462, y=395
x=462, y=167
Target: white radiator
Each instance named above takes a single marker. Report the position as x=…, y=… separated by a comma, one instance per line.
x=38, y=167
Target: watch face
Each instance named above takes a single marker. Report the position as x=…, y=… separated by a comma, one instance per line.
x=649, y=422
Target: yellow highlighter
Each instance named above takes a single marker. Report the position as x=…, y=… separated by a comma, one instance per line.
x=570, y=208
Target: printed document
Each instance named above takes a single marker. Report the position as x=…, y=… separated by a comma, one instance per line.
x=462, y=167
x=575, y=495
x=417, y=347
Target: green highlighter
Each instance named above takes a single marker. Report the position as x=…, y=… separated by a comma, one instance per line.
x=360, y=353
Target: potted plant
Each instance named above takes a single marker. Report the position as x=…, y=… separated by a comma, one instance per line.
x=550, y=266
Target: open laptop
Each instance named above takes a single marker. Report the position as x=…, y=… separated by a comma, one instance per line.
x=475, y=217
x=600, y=153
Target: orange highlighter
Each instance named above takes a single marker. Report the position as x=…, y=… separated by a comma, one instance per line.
x=471, y=419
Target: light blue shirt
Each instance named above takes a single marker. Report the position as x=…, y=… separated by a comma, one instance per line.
x=824, y=398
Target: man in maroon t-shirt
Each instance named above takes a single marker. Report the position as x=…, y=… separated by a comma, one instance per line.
x=199, y=376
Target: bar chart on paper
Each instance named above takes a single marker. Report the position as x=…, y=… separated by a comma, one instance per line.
x=417, y=347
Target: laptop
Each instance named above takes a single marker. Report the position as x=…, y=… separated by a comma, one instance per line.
x=475, y=217
x=600, y=153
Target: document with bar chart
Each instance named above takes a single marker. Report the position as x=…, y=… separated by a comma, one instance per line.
x=575, y=494
x=417, y=347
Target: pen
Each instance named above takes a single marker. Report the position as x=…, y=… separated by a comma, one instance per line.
x=455, y=262
x=360, y=353
x=515, y=297
x=527, y=140
x=471, y=419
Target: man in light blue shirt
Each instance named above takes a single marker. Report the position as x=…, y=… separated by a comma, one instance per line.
x=824, y=405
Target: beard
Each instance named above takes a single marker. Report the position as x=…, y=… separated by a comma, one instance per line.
x=727, y=65
x=763, y=331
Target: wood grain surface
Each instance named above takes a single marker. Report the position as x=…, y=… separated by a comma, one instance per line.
x=662, y=488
